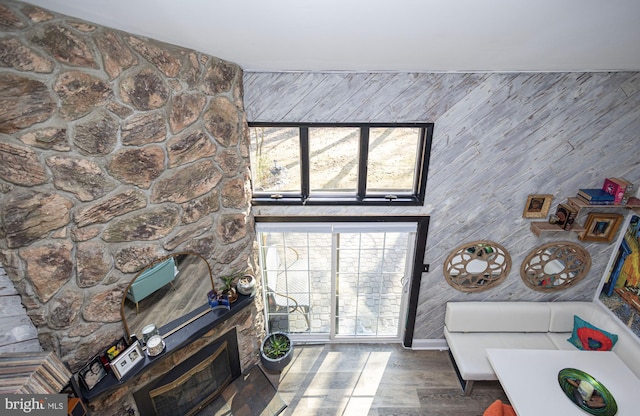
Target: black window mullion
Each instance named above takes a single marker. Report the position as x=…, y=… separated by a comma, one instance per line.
x=363, y=162
x=304, y=163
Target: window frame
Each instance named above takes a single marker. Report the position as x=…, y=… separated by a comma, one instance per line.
x=414, y=198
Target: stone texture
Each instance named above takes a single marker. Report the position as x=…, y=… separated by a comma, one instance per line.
x=93, y=263
x=97, y=134
x=82, y=26
x=185, y=110
x=143, y=129
x=50, y=138
x=219, y=76
x=198, y=208
x=112, y=207
x=49, y=267
x=161, y=57
x=187, y=233
x=28, y=216
x=231, y=228
x=189, y=147
x=84, y=234
x=65, y=46
x=119, y=109
x=222, y=121
x=20, y=165
x=151, y=224
x=80, y=93
x=191, y=70
x=64, y=309
x=116, y=55
x=145, y=90
x=133, y=258
x=81, y=177
x=104, y=306
x=10, y=20
x=235, y=194
x=15, y=55
x=23, y=102
x=36, y=14
x=139, y=167
x=185, y=183
x=230, y=162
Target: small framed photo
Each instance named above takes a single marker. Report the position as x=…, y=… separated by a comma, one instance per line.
x=601, y=227
x=537, y=206
x=115, y=349
x=92, y=373
x=127, y=359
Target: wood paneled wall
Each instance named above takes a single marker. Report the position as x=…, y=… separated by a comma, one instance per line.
x=498, y=137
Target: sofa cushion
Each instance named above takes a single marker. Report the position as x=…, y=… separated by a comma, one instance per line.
x=589, y=337
x=469, y=349
x=497, y=317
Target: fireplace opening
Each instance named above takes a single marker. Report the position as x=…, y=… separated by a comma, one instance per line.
x=194, y=383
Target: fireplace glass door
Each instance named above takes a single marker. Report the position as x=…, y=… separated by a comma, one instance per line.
x=336, y=281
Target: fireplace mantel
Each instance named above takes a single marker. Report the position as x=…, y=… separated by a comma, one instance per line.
x=174, y=342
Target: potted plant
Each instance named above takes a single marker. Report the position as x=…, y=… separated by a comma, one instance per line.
x=229, y=288
x=276, y=351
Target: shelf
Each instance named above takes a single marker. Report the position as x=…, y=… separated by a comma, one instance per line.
x=539, y=227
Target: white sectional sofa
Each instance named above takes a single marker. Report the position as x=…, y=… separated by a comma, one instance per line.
x=472, y=327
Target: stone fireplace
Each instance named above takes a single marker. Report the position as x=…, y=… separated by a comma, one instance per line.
x=114, y=150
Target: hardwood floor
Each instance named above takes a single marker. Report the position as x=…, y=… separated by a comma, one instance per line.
x=377, y=380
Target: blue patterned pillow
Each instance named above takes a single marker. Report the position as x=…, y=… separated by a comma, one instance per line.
x=588, y=337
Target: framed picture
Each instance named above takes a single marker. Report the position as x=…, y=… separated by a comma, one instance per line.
x=92, y=373
x=601, y=227
x=127, y=359
x=537, y=206
x=115, y=349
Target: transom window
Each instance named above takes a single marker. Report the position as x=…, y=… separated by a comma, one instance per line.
x=369, y=164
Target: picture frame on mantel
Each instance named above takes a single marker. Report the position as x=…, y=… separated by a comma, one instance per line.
x=601, y=227
x=537, y=206
x=127, y=360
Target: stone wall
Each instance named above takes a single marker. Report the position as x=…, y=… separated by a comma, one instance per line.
x=114, y=150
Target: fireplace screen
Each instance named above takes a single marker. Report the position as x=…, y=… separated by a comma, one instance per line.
x=186, y=394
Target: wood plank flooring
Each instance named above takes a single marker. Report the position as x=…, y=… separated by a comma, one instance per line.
x=377, y=380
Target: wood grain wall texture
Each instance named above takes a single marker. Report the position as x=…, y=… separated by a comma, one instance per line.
x=498, y=137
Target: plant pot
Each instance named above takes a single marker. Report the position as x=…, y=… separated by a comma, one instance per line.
x=246, y=285
x=283, y=353
x=231, y=294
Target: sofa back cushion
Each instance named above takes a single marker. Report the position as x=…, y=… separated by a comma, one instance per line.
x=497, y=317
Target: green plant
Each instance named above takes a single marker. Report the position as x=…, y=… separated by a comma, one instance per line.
x=229, y=279
x=276, y=346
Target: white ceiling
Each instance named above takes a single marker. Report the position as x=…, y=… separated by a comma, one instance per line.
x=385, y=35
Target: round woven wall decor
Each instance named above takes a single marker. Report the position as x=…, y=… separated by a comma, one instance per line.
x=555, y=266
x=477, y=266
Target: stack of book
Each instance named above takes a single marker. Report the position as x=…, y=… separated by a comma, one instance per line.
x=614, y=191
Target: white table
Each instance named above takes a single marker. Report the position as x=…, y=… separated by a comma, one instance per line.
x=530, y=379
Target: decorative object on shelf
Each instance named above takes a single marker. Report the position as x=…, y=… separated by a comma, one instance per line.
x=218, y=301
x=229, y=288
x=537, y=206
x=566, y=216
x=116, y=348
x=246, y=285
x=595, y=196
x=587, y=392
x=92, y=373
x=276, y=351
x=155, y=345
x=477, y=266
x=601, y=227
x=620, y=188
x=555, y=266
x=127, y=360
x=149, y=331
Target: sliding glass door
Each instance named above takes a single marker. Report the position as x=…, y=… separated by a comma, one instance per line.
x=336, y=281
